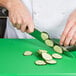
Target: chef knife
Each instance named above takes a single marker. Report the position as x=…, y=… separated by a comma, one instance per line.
x=37, y=34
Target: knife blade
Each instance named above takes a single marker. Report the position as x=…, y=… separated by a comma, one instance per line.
x=37, y=34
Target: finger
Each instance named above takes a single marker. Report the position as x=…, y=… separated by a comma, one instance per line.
x=18, y=26
x=23, y=28
x=66, y=30
x=19, y=22
x=69, y=36
x=12, y=19
x=30, y=28
x=73, y=41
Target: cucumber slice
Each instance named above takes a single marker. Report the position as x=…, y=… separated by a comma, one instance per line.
x=51, y=61
x=40, y=62
x=49, y=43
x=27, y=53
x=57, y=56
x=44, y=35
x=58, y=49
x=46, y=56
x=42, y=51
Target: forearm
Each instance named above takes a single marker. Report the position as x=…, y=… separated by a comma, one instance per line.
x=4, y=3
x=9, y=3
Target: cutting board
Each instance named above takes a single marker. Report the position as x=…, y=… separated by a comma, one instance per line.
x=13, y=63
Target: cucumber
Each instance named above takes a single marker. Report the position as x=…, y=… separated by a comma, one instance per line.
x=40, y=62
x=58, y=49
x=44, y=35
x=42, y=51
x=49, y=42
x=57, y=56
x=46, y=56
x=53, y=43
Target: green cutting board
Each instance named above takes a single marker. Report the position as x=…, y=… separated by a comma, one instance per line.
x=13, y=63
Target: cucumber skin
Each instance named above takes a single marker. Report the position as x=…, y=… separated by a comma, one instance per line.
x=45, y=32
x=43, y=37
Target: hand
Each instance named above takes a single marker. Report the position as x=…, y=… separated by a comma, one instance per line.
x=69, y=34
x=20, y=16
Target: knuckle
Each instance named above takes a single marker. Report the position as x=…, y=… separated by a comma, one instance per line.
x=14, y=21
x=19, y=21
x=69, y=35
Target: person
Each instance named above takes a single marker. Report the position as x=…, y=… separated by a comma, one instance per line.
x=58, y=18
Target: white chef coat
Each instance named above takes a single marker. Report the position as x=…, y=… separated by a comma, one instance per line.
x=48, y=15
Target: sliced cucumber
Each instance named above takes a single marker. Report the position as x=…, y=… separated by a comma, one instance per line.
x=51, y=61
x=46, y=56
x=58, y=49
x=49, y=43
x=40, y=62
x=57, y=56
x=28, y=53
x=42, y=51
x=44, y=35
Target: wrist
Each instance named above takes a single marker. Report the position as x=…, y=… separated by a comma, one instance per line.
x=11, y=3
x=4, y=3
